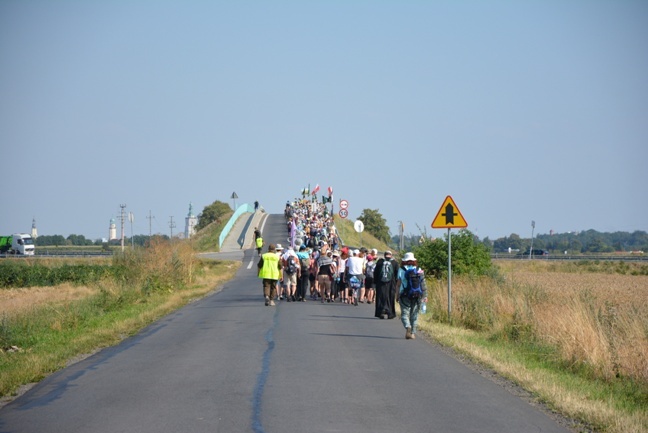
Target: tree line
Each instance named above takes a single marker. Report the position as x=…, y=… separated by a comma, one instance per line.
x=583, y=242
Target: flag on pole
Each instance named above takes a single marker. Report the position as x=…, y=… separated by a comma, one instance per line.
x=316, y=189
x=330, y=191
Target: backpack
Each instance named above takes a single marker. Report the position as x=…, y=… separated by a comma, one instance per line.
x=354, y=282
x=305, y=265
x=387, y=272
x=291, y=266
x=414, y=288
x=369, y=271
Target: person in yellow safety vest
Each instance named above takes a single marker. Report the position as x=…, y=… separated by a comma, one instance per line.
x=259, y=244
x=270, y=271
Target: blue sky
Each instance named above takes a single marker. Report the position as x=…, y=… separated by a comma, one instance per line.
x=521, y=111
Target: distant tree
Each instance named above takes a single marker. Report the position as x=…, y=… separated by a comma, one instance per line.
x=76, y=240
x=488, y=244
x=50, y=240
x=211, y=213
x=597, y=245
x=375, y=224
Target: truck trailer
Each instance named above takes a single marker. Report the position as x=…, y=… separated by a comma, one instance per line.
x=18, y=243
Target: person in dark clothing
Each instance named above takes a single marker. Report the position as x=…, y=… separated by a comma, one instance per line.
x=385, y=280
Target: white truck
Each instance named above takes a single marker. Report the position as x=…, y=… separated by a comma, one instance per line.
x=18, y=243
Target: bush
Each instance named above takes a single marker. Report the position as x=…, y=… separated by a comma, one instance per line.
x=468, y=256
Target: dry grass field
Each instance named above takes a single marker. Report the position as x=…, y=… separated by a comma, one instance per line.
x=596, y=319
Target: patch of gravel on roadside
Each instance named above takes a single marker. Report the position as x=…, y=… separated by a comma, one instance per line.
x=573, y=425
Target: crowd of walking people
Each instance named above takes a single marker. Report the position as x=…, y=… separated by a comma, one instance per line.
x=316, y=266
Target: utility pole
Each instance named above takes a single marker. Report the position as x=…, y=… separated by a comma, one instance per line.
x=131, y=219
x=171, y=226
x=122, y=206
x=531, y=249
x=150, y=218
x=401, y=230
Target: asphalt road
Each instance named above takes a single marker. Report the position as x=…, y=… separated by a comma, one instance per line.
x=230, y=364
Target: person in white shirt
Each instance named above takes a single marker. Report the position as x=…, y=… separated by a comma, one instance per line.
x=355, y=271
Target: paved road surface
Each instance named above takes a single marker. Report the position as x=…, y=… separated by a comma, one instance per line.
x=230, y=364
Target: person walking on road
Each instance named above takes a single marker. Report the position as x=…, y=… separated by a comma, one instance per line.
x=412, y=292
x=370, y=267
x=270, y=271
x=326, y=271
x=355, y=275
x=304, y=269
x=292, y=272
x=385, y=276
x=259, y=243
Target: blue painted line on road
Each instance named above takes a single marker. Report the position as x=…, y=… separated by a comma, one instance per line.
x=263, y=377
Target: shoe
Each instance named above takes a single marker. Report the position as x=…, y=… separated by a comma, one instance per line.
x=355, y=302
x=413, y=336
x=408, y=333
x=272, y=303
x=267, y=301
x=288, y=299
x=293, y=298
x=368, y=302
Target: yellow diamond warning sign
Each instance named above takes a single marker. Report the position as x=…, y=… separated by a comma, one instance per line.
x=449, y=216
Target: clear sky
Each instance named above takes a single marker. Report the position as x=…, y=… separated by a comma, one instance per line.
x=520, y=110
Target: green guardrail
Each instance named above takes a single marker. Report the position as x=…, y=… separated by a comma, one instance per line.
x=244, y=208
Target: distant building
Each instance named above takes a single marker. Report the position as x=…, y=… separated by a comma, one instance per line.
x=190, y=223
x=34, y=230
x=112, y=230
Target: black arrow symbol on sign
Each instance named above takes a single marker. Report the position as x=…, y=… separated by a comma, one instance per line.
x=449, y=214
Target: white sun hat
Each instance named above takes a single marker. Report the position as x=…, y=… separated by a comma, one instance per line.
x=409, y=257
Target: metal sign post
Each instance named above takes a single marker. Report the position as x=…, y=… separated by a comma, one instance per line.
x=449, y=277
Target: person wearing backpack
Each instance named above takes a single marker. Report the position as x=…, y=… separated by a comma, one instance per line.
x=302, y=279
x=385, y=276
x=270, y=272
x=292, y=272
x=370, y=267
x=412, y=293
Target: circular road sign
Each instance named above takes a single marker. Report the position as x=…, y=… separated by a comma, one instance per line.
x=344, y=204
x=343, y=213
x=358, y=226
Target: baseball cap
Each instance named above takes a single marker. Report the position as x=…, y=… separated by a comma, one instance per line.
x=388, y=253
